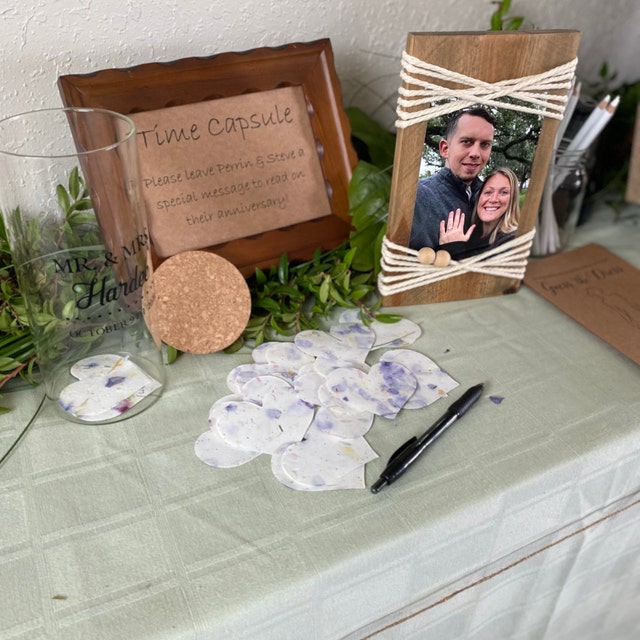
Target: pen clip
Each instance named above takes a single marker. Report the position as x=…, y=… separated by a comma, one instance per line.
x=402, y=449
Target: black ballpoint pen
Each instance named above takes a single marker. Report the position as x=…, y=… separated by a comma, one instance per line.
x=411, y=450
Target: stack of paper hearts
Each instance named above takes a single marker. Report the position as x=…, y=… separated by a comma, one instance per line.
x=309, y=403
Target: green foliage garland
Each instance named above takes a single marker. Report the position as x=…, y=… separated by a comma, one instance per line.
x=287, y=298
x=291, y=297
x=17, y=351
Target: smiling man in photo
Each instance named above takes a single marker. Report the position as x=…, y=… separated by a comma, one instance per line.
x=465, y=148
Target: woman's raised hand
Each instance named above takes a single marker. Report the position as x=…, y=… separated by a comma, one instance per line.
x=452, y=229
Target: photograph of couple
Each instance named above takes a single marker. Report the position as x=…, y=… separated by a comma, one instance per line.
x=459, y=210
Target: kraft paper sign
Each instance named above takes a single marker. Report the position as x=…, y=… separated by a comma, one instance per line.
x=597, y=289
x=230, y=168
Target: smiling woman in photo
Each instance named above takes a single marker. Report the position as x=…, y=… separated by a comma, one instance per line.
x=495, y=218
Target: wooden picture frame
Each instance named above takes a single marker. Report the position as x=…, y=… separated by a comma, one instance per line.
x=156, y=86
x=490, y=58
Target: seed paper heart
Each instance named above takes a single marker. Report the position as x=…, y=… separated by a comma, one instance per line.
x=433, y=382
x=342, y=424
x=306, y=386
x=394, y=335
x=108, y=385
x=322, y=345
x=240, y=375
x=354, y=334
x=397, y=334
x=310, y=403
x=280, y=417
x=323, y=459
x=216, y=452
x=351, y=480
x=95, y=366
x=285, y=355
x=324, y=366
x=383, y=391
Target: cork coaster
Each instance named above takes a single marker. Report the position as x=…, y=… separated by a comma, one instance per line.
x=201, y=302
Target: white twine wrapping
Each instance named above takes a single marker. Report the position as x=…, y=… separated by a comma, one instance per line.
x=401, y=269
x=533, y=90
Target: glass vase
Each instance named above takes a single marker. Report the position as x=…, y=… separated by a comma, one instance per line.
x=78, y=235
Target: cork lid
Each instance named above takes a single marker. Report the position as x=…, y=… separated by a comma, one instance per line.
x=198, y=302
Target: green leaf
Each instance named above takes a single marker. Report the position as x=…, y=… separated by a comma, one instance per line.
x=235, y=346
x=255, y=322
x=277, y=326
x=357, y=293
x=513, y=24
x=63, y=198
x=283, y=269
x=41, y=319
x=366, y=177
x=8, y=364
x=268, y=304
x=82, y=205
x=379, y=142
x=323, y=293
x=348, y=259
x=74, y=183
x=287, y=291
x=171, y=354
x=365, y=240
x=388, y=318
x=5, y=320
x=69, y=309
x=260, y=276
x=377, y=250
x=335, y=295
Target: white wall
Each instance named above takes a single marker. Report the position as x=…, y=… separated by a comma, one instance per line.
x=42, y=39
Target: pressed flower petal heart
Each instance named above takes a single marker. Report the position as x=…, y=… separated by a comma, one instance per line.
x=322, y=345
x=309, y=403
x=323, y=459
x=384, y=390
x=271, y=415
x=433, y=382
x=285, y=356
x=243, y=373
x=108, y=385
x=351, y=480
x=342, y=424
x=215, y=452
x=354, y=334
x=393, y=335
x=401, y=333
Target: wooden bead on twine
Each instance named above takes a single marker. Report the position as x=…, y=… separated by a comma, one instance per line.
x=426, y=255
x=440, y=258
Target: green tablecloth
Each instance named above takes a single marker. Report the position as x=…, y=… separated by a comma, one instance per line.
x=520, y=523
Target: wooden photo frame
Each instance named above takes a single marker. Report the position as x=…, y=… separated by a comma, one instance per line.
x=501, y=65
x=188, y=86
